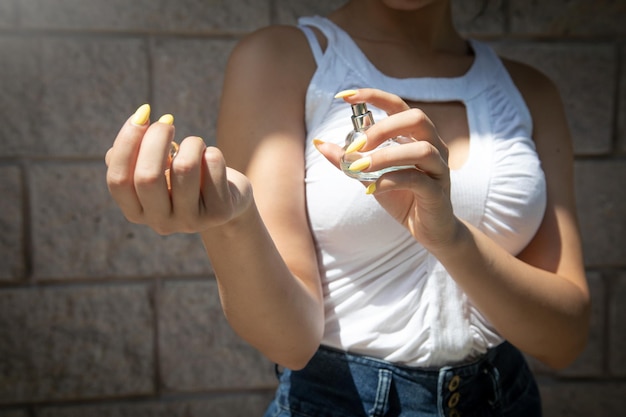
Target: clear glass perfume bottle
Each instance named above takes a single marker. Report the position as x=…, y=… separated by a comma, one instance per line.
x=362, y=120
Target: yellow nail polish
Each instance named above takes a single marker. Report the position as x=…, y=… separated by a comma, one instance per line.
x=345, y=93
x=317, y=142
x=357, y=144
x=168, y=119
x=360, y=164
x=371, y=189
x=142, y=115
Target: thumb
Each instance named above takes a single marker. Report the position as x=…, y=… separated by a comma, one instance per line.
x=330, y=151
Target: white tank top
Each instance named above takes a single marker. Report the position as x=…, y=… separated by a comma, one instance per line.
x=385, y=295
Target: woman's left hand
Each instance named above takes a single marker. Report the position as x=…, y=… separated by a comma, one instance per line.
x=417, y=198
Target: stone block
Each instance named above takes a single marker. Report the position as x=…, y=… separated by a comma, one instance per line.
x=12, y=261
x=75, y=343
x=210, y=405
x=198, y=349
x=91, y=85
x=560, y=18
x=188, y=76
x=591, y=361
x=621, y=105
x=583, y=399
x=8, y=14
x=585, y=75
x=478, y=17
x=20, y=110
x=617, y=327
x=13, y=413
x=79, y=232
x=182, y=16
x=601, y=206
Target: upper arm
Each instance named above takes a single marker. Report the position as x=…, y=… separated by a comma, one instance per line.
x=261, y=132
x=556, y=247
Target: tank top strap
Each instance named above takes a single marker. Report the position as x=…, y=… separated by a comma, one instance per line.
x=335, y=36
x=483, y=71
x=314, y=44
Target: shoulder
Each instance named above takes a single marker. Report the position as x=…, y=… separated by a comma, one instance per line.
x=272, y=60
x=273, y=46
x=266, y=80
x=551, y=132
x=538, y=90
x=278, y=56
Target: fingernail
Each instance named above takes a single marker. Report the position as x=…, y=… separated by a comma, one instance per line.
x=168, y=119
x=357, y=144
x=345, y=93
x=371, y=189
x=141, y=116
x=360, y=164
x=317, y=142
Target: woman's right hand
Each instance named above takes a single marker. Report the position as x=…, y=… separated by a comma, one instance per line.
x=203, y=192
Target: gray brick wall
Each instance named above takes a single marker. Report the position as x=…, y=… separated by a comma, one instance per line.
x=99, y=317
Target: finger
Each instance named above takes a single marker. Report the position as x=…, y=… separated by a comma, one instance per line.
x=421, y=155
x=331, y=151
x=405, y=121
x=185, y=176
x=107, y=157
x=216, y=198
x=121, y=160
x=430, y=192
x=412, y=123
x=149, y=179
x=388, y=102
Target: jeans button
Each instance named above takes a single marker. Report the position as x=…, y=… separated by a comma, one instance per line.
x=454, y=383
x=454, y=400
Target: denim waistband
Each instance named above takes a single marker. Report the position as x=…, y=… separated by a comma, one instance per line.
x=341, y=384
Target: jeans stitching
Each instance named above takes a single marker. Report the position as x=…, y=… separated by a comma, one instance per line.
x=381, y=401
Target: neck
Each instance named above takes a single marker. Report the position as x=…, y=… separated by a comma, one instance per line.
x=428, y=29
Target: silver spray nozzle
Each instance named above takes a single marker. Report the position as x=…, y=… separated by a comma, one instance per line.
x=361, y=117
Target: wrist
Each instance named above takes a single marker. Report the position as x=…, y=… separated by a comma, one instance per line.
x=453, y=247
x=243, y=223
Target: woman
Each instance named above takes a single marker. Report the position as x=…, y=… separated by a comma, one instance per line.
x=402, y=296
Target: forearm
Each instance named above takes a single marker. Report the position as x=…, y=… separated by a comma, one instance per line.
x=275, y=311
x=544, y=314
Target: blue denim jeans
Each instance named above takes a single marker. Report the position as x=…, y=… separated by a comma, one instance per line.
x=339, y=384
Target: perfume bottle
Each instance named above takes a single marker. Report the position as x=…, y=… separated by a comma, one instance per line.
x=362, y=120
